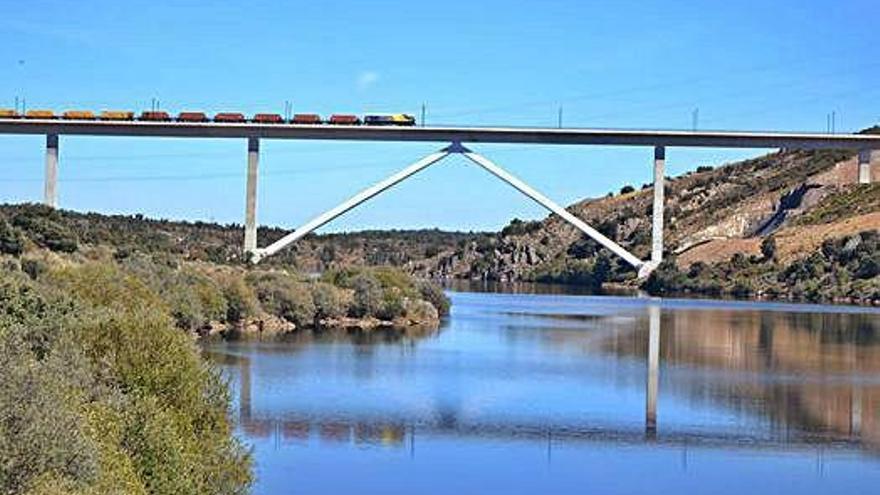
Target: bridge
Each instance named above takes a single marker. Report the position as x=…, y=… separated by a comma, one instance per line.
x=458, y=138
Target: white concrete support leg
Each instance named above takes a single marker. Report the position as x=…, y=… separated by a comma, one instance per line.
x=244, y=389
x=250, y=208
x=653, y=379
x=855, y=411
x=865, y=167
x=657, y=223
x=349, y=204
x=50, y=188
x=544, y=201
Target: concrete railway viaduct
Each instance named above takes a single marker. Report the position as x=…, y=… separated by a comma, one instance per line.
x=456, y=140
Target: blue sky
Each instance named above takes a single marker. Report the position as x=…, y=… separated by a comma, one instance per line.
x=781, y=65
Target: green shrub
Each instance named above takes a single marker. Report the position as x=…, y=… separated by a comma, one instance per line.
x=101, y=394
x=433, y=294
x=44, y=227
x=368, y=296
x=421, y=312
x=768, y=248
x=241, y=300
x=33, y=267
x=329, y=301
x=11, y=239
x=283, y=296
x=519, y=227
x=393, y=305
x=44, y=429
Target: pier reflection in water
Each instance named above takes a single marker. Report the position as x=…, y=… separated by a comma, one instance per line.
x=758, y=396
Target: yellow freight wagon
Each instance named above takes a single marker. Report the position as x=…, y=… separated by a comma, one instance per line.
x=7, y=113
x=78, y=115
x=117, y=115
x=39, y=114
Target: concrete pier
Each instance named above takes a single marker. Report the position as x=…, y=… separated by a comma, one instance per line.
x=657, y=224
x=250, y=208
x=50, y=186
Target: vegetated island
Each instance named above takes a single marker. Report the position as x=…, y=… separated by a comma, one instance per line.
x=207, y=298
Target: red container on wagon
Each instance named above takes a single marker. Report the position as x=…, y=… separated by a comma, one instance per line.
x=229, y=117
x=192, y=117
x=344, y=119
x=155, y=116
x=268, y=118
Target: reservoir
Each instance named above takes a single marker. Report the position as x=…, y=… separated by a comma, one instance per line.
x=547, y=393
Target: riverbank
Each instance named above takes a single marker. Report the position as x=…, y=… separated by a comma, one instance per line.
x=102, y=393
x=104, y=389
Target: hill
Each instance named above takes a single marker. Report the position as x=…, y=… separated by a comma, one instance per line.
x=222, y=244
x=717, y=220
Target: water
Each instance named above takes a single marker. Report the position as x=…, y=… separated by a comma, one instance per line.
x=524, y=393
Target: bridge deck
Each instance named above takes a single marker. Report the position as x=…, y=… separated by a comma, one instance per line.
x=524, y=135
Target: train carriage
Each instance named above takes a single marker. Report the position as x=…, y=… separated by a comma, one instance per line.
x=8, y=113
x=40, y=114
x=344, y=119
x=116, y=115
x=192, y=117
x=155, y=116
x=307, y=118
x=230, y=117
x=78, y=115
x=268, y=118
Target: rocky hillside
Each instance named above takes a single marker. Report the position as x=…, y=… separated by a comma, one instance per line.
x=745, y=200
x=800, y=199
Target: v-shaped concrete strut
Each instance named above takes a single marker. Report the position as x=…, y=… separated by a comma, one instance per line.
x=644, y=268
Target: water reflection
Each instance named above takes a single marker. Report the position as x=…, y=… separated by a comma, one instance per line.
x=558, y=372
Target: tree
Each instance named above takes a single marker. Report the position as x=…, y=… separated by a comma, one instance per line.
x=768, y=248
x=367, y=296
x=11, y=240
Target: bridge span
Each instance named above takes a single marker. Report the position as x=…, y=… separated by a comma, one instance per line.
x=458, y=137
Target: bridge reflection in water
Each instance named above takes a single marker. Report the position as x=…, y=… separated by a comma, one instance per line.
x=810, y=378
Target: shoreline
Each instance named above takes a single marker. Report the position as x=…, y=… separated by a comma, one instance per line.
x=624, y=290
x=275, y=327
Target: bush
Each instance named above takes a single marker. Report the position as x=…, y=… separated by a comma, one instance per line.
x=665, y=279
x=241, y=300
x=433, y=294
x=768, y=248
x=627, y=189
x=519, y=227
x=101, y=394
x=11, y=239
x=44, y=227
x=421, y=312
x=393, y=305
x=282, y=296
x=329, y=301
x=33, y=267
x=368, y=296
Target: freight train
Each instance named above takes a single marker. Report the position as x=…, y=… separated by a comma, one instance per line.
x=398, y=119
